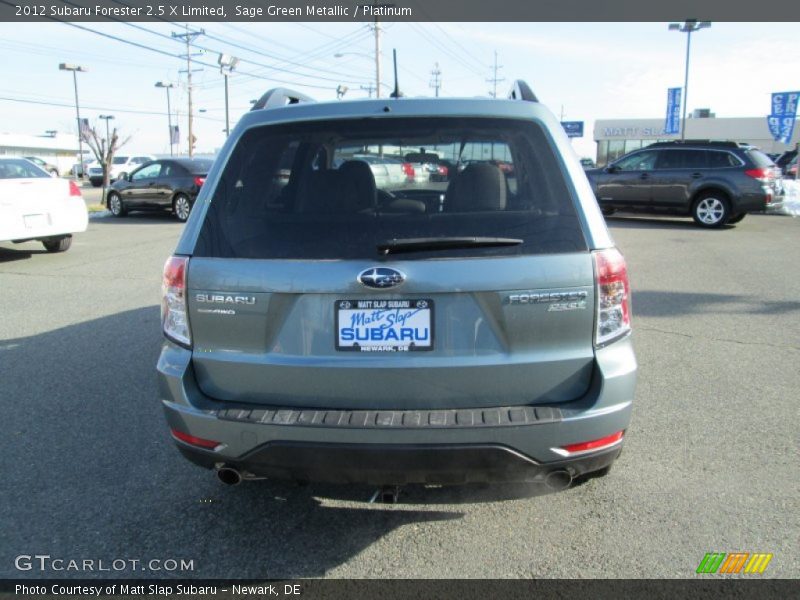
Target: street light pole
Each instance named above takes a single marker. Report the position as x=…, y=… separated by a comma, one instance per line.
x=689, y=26
x=168, y=86
x=227, y=64
x=106, y=118
x=75, y=70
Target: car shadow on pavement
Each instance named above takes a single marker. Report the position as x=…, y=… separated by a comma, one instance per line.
x=648, y=303
x=657, y=222
x=12, y=254
x=92, y=471
x=139, y=218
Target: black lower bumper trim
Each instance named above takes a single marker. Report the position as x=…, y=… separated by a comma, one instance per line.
x=398, y=464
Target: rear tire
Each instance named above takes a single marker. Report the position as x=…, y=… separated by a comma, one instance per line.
x=116, y=205
x=711, y=209
x=60, y=244
x=736, y=218
x=182, y=207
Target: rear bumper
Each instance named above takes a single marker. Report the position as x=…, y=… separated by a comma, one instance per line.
x=386, y=464
x=517, y=443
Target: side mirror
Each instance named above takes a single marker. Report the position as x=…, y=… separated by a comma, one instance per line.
x=612, y=169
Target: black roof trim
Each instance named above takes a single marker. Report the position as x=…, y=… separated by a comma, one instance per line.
x=712, y=143
x=277, y=97
x=522, y=91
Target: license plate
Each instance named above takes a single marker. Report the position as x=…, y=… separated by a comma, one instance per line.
x=384, y=325
x=34, y=221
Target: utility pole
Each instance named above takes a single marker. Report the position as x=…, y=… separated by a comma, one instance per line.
x=377, y=59
x=436, y=83
x=495, y=80
x=369, y=88
x=189, y=37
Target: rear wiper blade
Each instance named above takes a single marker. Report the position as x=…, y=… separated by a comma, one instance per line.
x=397, y=246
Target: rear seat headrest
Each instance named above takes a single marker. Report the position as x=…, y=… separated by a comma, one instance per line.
x=479, y=187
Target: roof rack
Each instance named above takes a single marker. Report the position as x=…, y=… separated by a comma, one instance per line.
x=277, y=97
x=718, y=143
x=522, y=91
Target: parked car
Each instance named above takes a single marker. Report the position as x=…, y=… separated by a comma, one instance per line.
x=49, y=167
x=791, y=169
x=785, y=159
x=389, y=172
x=167, y=184
x=587, y=163
x=717, y=183
x=36, y=206
x=121, y=166
x=331, y=329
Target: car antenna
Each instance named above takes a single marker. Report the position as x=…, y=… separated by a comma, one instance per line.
x=396, y=93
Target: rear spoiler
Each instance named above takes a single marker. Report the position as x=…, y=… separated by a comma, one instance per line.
x=278, y=97
x=522, y=91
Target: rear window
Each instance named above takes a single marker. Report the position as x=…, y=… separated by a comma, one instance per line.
x=19, y=168
x=119, y=160
x=759, y=158
x=342, y=189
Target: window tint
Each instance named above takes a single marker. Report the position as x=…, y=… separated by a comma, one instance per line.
x=140, y=160
x=641, y=161
x=759, y=158
x=720, y=160
x=148, y=172
x=336, y=190
x=682, y=159
x=169, y=169
x=19, y=168
x=120, y=160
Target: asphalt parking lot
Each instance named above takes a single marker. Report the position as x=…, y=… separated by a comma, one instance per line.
x=710, y=463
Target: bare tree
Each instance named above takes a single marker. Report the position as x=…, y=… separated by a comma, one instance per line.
x=104, y=150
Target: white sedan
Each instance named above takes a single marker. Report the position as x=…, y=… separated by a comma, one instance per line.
x=36, y=206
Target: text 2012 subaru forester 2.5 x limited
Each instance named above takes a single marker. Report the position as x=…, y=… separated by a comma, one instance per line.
x=322, y=328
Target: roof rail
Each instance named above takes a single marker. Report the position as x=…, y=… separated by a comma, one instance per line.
x=522, y=91
x=277, y=97
x=718, y=143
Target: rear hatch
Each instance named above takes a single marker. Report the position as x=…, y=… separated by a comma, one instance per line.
x=328, y=291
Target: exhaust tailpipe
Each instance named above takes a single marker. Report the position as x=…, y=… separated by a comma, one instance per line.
x=229, y=476
x=558, y=480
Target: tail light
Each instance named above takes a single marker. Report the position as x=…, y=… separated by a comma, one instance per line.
x=74, y=190
x=408, y=169
x=442, y=170
x=763, y=174
x=174, y=310
x=591, y=446
x=193, y=440
x=199, y=180
x=613, y=296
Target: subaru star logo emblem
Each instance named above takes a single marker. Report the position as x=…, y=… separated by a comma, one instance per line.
x=381, y=277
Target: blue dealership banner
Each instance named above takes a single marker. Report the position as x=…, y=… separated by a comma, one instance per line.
x=673, y=122
x=573, y=128
x=781, y=119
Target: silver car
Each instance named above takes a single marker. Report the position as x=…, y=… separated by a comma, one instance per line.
x=321, y=327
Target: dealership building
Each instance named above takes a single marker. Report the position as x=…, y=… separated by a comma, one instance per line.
x=56, y=148
x=615, y=137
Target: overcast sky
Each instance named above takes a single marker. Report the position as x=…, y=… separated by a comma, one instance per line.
x=593, y=70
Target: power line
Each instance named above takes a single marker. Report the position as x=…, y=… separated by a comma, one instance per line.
x=105, y=108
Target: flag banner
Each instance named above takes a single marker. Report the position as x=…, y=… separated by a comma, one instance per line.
x=781, y=119
x=673, y=121
x=174, y=135
x=85, y=129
